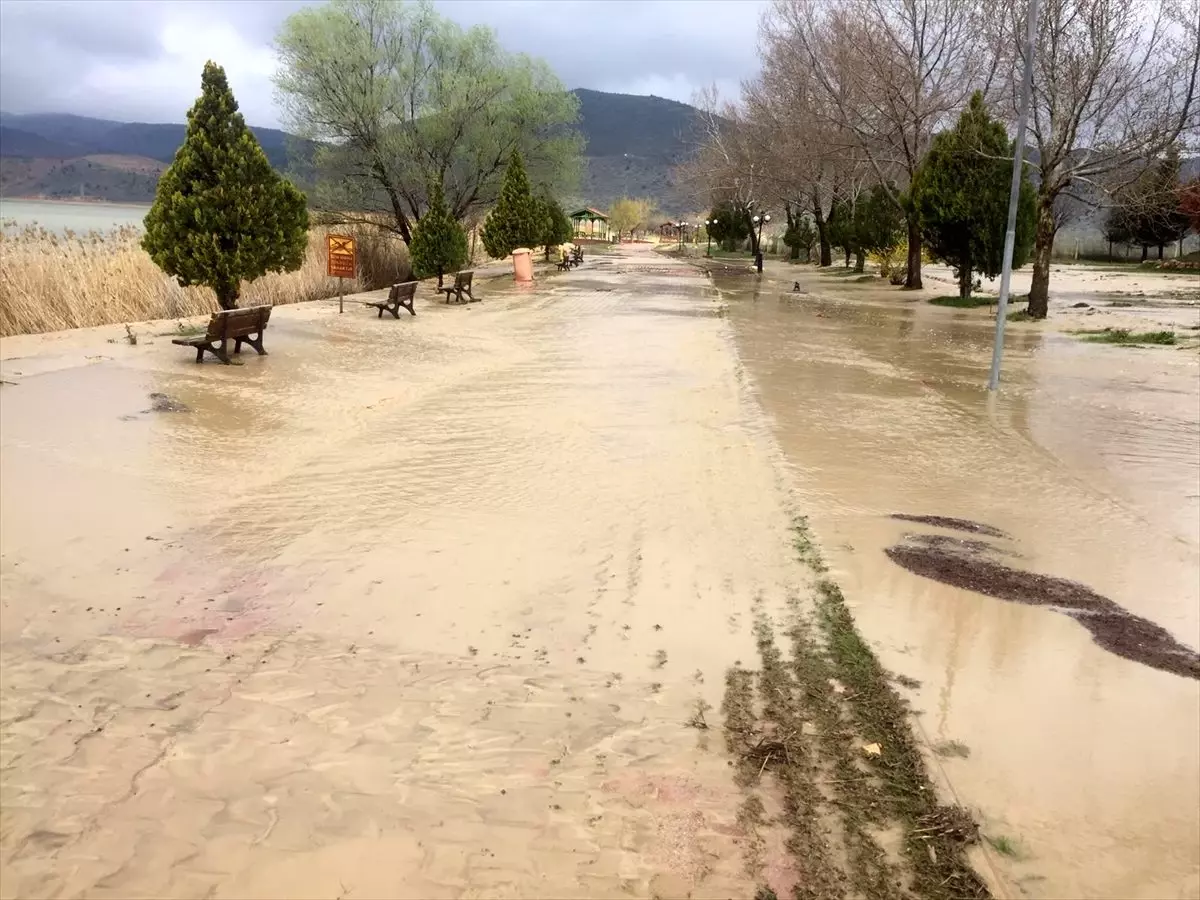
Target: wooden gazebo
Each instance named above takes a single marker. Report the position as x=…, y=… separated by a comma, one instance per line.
x=590, y=223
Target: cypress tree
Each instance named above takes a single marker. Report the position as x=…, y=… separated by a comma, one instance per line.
x=961, y=193
x=439, y=244
x=221, y=214
x=516, y=220
x=556, y=226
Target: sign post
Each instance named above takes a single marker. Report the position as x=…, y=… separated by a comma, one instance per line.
x=341, y=261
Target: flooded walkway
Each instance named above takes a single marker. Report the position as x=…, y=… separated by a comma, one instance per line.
x=437, y=607
x=1084, y=764
x=408, y=609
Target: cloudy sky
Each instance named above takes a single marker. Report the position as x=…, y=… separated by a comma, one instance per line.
x=140, y=60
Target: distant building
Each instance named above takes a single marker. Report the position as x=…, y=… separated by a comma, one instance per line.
x=590, y=223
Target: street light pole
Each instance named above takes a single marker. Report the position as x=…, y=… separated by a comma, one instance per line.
x=758, y=256
x=708, y=224
x=1014, y=193
x=682, y=225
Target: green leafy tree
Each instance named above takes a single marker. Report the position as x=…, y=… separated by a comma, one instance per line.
x=732, y=225
x=800, y=234
x=558, y=229
x=516, y=220
x=396, y=97
x=839, y=227
x=961, y=194
x=222, y=215
x=879, y=225
x=1151, y=207
x=439, y=243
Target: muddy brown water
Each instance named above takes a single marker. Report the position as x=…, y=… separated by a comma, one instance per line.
x=422, y=608
x=1090, y=462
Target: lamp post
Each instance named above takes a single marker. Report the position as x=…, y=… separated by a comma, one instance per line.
x=681, y=226
x=708, y=224
x=760, y=221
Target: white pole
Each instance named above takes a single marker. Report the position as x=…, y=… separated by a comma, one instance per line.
x=1010, y=236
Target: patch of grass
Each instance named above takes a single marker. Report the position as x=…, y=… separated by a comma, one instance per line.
x=1020, y=315
x=958, y=302
x=1005, y=846
x=1125, y=336
x=974, y=302
x=952, y=748
x=863, y=279
x=182, y=330
x=936, y=836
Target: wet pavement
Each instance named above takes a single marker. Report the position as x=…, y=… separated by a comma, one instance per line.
x=422, y=608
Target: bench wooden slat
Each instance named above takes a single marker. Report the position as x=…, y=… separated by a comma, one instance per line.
x=238, y=325
x=400, y=295
x=461, y=286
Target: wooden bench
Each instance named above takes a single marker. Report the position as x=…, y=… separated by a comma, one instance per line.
x=237, y=325
x=564, y=264
x=577, y=256
x=461, y=286
x=400, y=295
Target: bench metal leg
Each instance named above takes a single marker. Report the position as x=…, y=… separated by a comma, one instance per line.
x=407, y=304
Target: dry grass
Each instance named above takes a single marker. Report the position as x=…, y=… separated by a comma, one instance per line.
x=50, y=282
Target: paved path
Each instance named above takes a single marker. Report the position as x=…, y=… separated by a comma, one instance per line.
x=413, y=608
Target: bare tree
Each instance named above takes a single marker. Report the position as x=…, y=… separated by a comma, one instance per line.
x=893, y=72
x=731, y=162
x=809, y=159
x=1114, y=85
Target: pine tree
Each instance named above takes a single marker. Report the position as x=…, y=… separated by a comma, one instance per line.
x=516, y=220
x=439, y=244
x=221, y=214
x=961, y=192
x=556, y=226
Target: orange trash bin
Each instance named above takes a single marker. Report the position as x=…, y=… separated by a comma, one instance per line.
x=522, y=264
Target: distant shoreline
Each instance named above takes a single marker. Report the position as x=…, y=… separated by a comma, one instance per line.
x=77, y=201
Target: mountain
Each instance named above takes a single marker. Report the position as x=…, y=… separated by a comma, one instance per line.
x=633, y=143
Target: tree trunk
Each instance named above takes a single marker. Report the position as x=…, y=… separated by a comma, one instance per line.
x=1110, y=259
x=440, y=274
x=1043, y=246
x=860, y=261
x=913, y=278
x=227, y=296
x=1160, y=251
x=822, y=234
x=964, y=280
x=846, y=250
x=1145, y=252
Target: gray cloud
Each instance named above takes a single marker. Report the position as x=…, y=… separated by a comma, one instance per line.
x=138, y=60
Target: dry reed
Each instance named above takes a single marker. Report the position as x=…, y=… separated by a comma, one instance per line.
x=50, y=282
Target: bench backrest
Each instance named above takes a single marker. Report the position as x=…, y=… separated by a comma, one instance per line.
x=237, y=323
x=405, y=291
x=463, y=279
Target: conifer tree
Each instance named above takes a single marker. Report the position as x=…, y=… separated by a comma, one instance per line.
x=516, y=220
x=439, y=244
x=221, y=214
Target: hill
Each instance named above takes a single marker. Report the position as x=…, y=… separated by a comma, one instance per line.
x=633, y=143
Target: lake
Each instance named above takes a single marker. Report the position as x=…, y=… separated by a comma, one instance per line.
x=58, y=216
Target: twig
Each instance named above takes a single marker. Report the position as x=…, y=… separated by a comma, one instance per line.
x=766, y=760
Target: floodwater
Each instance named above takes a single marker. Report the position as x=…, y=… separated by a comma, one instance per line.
x=405, y=608
x=58, y=216
x=1090, y=459
x=420, y=607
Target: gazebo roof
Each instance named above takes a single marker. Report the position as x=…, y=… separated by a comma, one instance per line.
x=588, y=213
